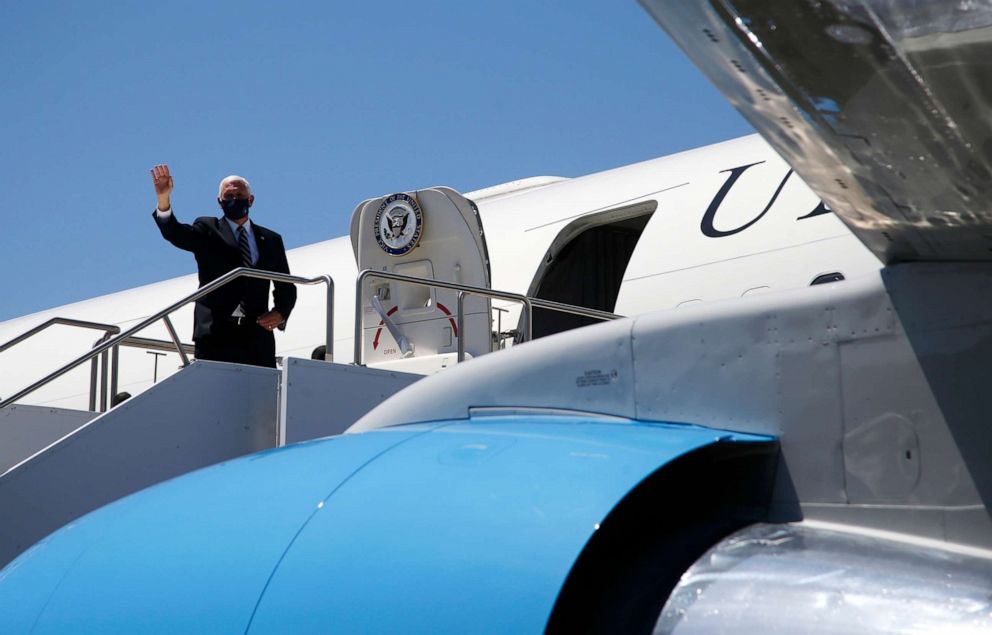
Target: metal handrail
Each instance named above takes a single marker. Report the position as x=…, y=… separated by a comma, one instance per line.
x=95, y=370
x=148, y=344
x=528, y=304
x=96, y=326
x=549, y=305
x=152, y=344
x=108, y=330
x=199, y=293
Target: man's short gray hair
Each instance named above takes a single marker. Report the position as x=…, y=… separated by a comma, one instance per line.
x=230, y=179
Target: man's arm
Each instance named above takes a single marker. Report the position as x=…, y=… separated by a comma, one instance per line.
x=283, y=294
x=181, y=235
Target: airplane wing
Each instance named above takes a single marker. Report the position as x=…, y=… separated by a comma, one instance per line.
x=881, y=106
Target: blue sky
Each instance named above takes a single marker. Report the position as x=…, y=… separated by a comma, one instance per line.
x=319, y=104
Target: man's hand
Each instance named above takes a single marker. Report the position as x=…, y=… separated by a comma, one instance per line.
x=163, y=185
x=269, y=321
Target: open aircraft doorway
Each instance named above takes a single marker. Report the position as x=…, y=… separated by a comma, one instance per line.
x=585, y=265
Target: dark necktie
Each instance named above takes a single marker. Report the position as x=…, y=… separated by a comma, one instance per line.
x=243, y=245
x=245, y=261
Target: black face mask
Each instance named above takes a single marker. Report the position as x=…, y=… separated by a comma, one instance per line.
x=234, y=208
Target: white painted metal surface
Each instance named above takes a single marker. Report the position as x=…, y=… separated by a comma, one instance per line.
x=24, y=430
x=318, y=399
x=449, y=246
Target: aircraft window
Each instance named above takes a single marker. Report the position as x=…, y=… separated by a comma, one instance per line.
x=586, y=263
x=824, y=278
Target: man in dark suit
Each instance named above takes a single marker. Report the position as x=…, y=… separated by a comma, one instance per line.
x=233, y=323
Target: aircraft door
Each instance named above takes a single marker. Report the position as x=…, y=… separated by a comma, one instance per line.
x=585, y=265
x=434, y=234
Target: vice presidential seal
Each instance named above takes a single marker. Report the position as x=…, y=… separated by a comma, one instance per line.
x=399, y=224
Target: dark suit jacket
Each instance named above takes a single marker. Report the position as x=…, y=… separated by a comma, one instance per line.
x=216, y=249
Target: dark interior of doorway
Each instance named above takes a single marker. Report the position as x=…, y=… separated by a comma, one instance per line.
x=587, y=272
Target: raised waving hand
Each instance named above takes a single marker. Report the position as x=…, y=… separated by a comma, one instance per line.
x=163, y=185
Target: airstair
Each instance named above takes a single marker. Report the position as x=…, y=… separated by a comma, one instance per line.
x=423, y=303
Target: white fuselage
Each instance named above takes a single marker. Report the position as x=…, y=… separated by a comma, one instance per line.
x=728, y=223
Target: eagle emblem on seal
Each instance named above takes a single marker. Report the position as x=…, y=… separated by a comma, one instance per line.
x=398, y=225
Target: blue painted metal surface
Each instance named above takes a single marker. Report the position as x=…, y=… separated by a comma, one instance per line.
x=449, y=527
x=188, y=556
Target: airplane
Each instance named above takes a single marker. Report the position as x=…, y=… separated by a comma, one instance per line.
x=816, y=447
x=723, y=221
